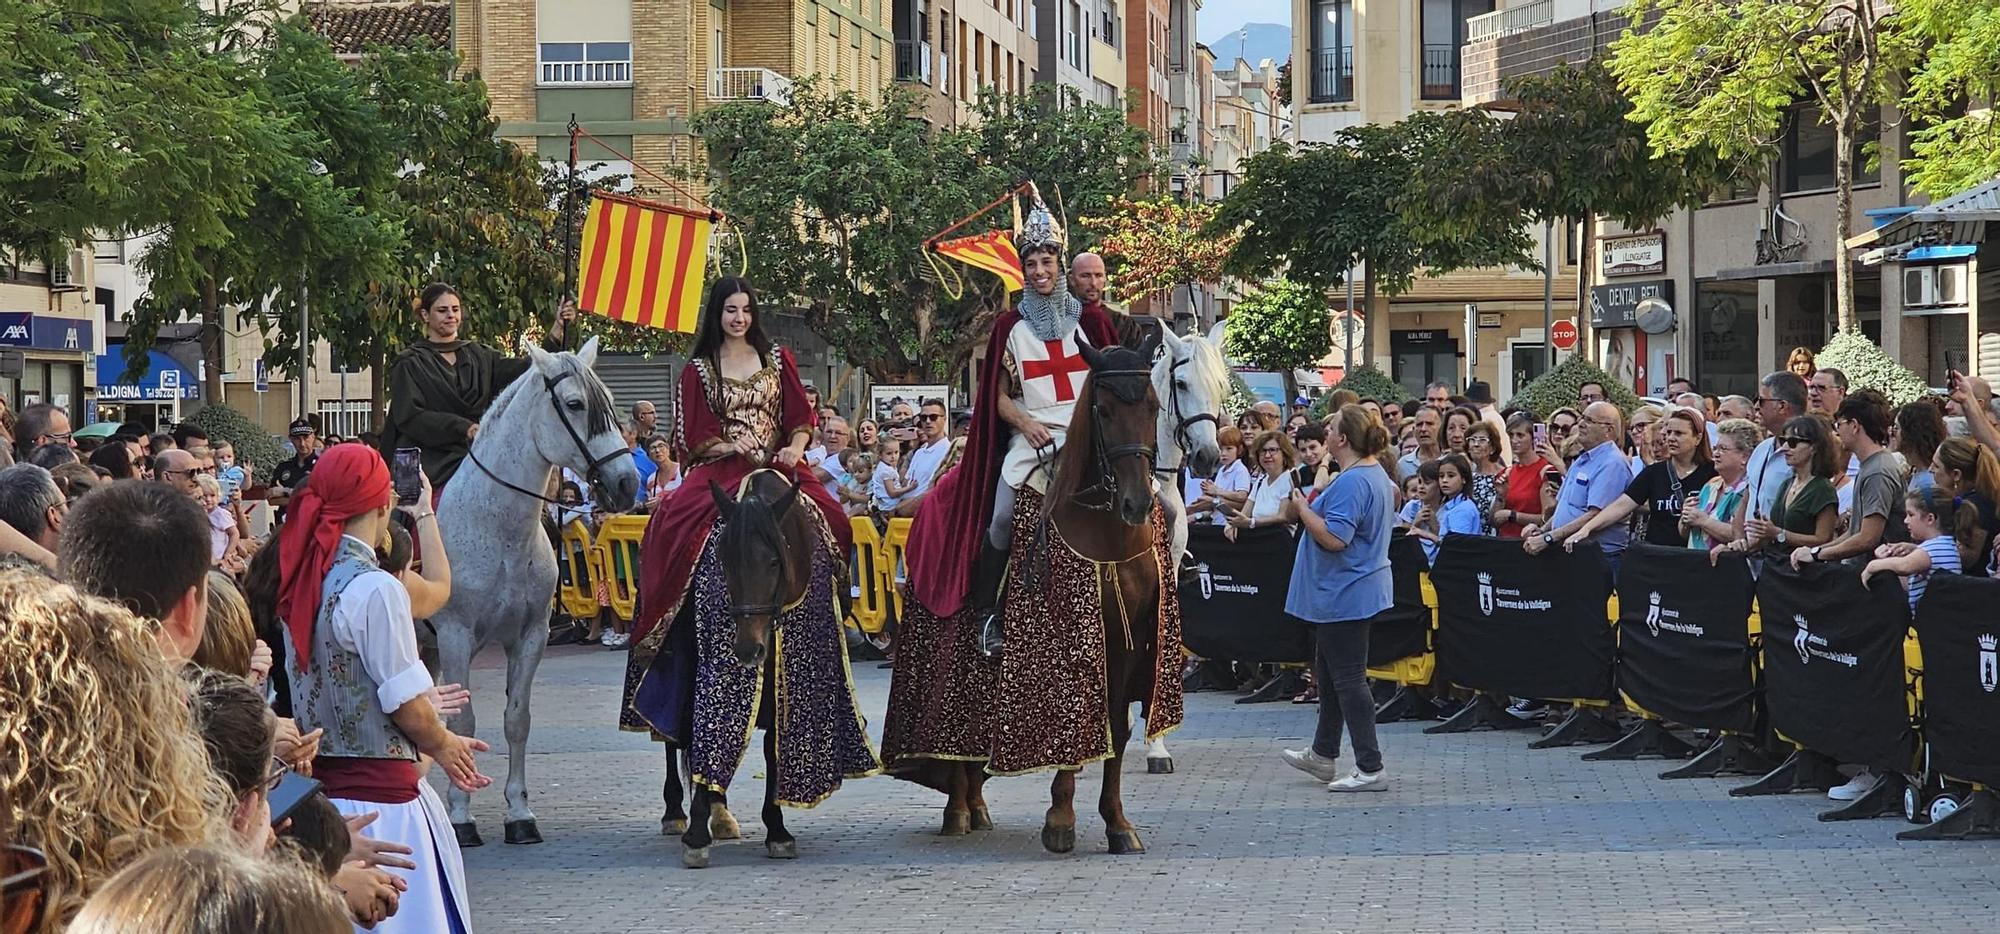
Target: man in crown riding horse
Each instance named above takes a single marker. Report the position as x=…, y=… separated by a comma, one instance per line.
x=961, y=539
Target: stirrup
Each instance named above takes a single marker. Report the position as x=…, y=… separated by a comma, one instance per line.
x=991, y=635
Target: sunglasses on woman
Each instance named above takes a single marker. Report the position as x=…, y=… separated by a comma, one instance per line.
x=1792, y=441
x=23, y=873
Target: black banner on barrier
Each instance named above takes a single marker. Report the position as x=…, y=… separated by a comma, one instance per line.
x=1234, y=607
x=1520, y=624
x=1960, y=630
x=1833, y=662
x=1684, y=637
x=1405, y=629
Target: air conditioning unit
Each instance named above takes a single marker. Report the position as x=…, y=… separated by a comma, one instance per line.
x=1951, y=285
x=68, y=273
x=1919, y=286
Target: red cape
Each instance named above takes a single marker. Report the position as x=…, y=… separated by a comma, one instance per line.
x=951, y=522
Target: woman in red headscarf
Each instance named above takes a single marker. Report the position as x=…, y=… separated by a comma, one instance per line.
x=349, y=634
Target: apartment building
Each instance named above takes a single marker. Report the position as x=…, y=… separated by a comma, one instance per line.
x=633, y=73
x=1749, y=275
x=1358, y=62
x=1146, y=41
x=1076, y=47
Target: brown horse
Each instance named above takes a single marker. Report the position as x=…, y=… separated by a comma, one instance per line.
x=1100, y=504
x=767, y=557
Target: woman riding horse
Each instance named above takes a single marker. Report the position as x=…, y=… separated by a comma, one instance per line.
x=743, y=409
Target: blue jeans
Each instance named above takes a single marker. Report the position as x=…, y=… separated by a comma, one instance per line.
x=1341, y=667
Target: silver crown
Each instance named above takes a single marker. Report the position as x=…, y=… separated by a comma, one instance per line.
x=1988, y=642
x=1039, y=230
x=1485, y=578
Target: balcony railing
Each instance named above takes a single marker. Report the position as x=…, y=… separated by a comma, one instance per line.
x=913, y=61
x=749, y=84
x=1333, y=74
x=1515, y=18
x=1440, y=73
x=587, y=72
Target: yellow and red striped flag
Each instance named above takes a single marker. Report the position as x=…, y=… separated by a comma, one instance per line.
x=643, y=262
x=992, y=251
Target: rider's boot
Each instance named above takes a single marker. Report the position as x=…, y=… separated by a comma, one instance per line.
x=987, y=577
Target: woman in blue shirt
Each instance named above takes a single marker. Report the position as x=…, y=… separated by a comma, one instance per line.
x=1340, y=581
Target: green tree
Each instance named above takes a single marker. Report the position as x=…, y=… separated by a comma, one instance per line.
x=1726, y=76
x=1953, y=146
x=117, y=116
x=834, y=196
x=1159, y=244
x=1569, y=154
x=1309, y=213
x=1280, y=327
x=314, y=223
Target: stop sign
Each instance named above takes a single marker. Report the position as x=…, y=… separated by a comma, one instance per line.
x=1563, y=334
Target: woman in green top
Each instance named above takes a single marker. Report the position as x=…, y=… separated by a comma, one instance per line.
x=1808, y=508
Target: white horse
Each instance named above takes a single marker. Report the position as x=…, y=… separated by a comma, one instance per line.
x=557, y=414
x=1192, y=380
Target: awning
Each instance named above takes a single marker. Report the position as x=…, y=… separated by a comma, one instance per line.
x=164, y=380
x=1778, y=270
x=1959, y=219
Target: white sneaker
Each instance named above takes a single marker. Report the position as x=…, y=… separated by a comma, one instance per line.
x=1361, y=781
x=1862, y=782
x=1306, y=760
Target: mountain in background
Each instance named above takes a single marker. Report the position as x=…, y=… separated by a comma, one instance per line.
x=1266, y=40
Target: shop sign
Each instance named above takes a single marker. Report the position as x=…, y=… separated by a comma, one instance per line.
x=1638, y=255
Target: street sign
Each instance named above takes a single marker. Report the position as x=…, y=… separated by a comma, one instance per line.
x=1563, y=334
x=263, y=376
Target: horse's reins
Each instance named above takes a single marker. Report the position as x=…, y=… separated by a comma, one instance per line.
x=591, y=472
x=1183, y=438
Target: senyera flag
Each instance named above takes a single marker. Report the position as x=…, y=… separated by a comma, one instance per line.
x=642, y=262
x=992, y=251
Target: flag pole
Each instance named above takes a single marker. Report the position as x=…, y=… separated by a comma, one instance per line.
x=569, y=237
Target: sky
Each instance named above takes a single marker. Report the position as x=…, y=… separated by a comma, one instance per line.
x=1218, y=18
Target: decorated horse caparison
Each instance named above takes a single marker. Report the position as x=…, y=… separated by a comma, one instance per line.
x=1092, y=626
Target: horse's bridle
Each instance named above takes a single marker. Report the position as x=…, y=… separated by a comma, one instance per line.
x=1183, y=439
x=1107, y=482
x=595, y=464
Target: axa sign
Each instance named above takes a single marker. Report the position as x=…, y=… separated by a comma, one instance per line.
x=23, y=329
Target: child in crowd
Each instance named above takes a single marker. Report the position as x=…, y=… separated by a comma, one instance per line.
x=854, y=494
x=1929, y=515
x=222, y=534
x=887, y=484
x=233, y=477
x=1420, y=509
x=1231, y=477
x=1448, y=481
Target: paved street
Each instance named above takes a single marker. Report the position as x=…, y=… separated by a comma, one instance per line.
x=1479, y=833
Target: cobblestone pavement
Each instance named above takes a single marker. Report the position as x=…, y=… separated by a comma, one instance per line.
x=1478, y=833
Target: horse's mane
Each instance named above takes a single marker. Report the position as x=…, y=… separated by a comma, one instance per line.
x=1076, y=464
x=598, y=407
x=1210, y=368
x=753, y=520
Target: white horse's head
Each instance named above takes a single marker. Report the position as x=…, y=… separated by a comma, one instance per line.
x=572, y=422
x=1192, y=379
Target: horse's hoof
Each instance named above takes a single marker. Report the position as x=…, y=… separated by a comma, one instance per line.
x=1125, y=841
x=1058, y=839
x=523, y=831
x=782, y=849
x=956, y=824
x=1162, y=765
x=723, y=825
x=694, y=857
x=468, y=834
x=673, y=826
x=982, y=819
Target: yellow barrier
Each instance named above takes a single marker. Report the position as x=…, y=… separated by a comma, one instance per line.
x=870, y=568
x=574, y=556
x=895, y=542
x=1416, y=669
x=618, y=552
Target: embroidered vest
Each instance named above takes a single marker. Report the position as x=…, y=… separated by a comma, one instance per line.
x=336, y=693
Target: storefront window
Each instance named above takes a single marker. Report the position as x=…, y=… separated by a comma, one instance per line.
x=1725, y=322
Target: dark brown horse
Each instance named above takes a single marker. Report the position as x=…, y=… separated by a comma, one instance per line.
x=766, y=554
x=1100, y=503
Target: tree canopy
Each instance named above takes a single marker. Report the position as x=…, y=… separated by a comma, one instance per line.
x=1280, y=327
x=1159, y=244
x=835, y=195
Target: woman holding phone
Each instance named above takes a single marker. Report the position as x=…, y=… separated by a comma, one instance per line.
x=1528, y=488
